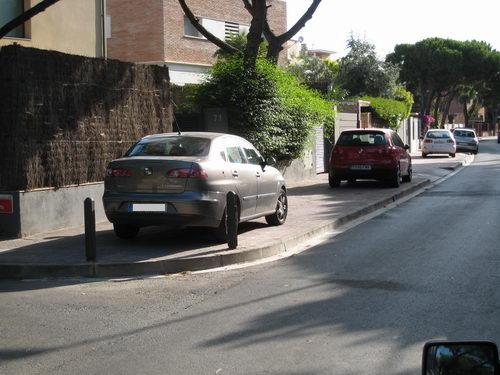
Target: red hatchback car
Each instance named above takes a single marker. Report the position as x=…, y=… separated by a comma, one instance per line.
x=370, y=154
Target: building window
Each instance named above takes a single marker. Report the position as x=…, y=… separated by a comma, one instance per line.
x=10, y=9
x=232, y=29
x=190, y=30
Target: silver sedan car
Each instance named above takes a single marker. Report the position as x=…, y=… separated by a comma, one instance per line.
x=466, y=140
x=182, y=180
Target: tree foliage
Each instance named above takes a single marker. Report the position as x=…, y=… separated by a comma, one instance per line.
x=438, y=70
x=319, y=74
x=363, y=73
x=266, y=105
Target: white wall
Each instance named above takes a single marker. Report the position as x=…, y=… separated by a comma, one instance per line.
x=181, y=74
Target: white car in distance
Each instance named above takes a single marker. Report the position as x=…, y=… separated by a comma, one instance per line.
x=439, y=141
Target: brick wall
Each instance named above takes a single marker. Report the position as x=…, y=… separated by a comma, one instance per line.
x=153, y=30
x=136, y=30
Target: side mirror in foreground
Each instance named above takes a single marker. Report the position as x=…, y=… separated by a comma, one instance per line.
x=460, y=358
x=270, y=160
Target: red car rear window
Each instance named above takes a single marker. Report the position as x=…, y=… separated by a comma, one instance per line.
x=362, y=139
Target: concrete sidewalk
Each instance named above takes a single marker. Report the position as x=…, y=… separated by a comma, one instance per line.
x=314, y=209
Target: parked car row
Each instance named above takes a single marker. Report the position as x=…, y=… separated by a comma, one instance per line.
x=441, y=141
x=381, y=154
x=182, y=180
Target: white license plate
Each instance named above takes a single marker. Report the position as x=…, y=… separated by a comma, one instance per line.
x=148, y=207
x=361, y=167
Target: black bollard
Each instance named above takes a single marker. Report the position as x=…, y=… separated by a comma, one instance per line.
x=90, y=245
x=232, y=220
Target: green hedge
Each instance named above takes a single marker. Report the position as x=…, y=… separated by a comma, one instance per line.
x=392, y=111
x=268, y=106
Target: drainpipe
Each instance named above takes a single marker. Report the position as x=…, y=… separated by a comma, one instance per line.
x=103, y=27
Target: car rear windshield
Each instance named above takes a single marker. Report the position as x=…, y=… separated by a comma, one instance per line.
x=438, y=134
x=464, y=133
x=171, y=146
x=362, y=139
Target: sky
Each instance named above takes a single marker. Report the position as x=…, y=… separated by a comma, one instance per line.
x=386, y=23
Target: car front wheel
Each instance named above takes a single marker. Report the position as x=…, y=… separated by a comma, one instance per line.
x=125, y=231
x=281, y=212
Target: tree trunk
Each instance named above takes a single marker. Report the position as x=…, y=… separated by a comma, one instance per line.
x=437, y=104
x=446, y=111
x=429, y=99
x=25, y=16
x=254, y=37
x=218, y=42
x=276, y=42
x=466, y=113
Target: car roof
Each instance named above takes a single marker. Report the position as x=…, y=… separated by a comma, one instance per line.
x=369, y=130
x=209, y=135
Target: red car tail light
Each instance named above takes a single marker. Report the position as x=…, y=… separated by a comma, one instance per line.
x=118, y=172
x=428, y=141
x=187, y=173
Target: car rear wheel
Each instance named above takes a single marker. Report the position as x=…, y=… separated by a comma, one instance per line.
x=125, y=231
x=333, y=181
x=281, y=212
x=395, y=179
x=408, y=177
x=220, y=233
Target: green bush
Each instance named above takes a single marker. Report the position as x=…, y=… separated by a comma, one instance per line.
x=267, y=105
x=391, y=111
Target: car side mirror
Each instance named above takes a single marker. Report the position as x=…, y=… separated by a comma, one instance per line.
x=407, y=147
x=460, y=357
x=270, y=161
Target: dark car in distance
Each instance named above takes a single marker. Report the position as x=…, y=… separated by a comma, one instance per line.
x=370, y=154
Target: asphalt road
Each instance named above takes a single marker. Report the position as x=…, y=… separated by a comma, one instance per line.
x=362, y=302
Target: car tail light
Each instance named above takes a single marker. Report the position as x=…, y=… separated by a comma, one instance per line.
x=187, y=173
x=428, y=141
x=118, y=172
x=389, y=150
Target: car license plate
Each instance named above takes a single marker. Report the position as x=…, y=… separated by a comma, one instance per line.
x=148, y=207
x=363, y=167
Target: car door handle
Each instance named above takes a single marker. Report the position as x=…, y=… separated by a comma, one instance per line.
x=257, y=174
x=235, y=173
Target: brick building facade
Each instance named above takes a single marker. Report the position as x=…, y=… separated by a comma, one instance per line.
x=157, y=32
